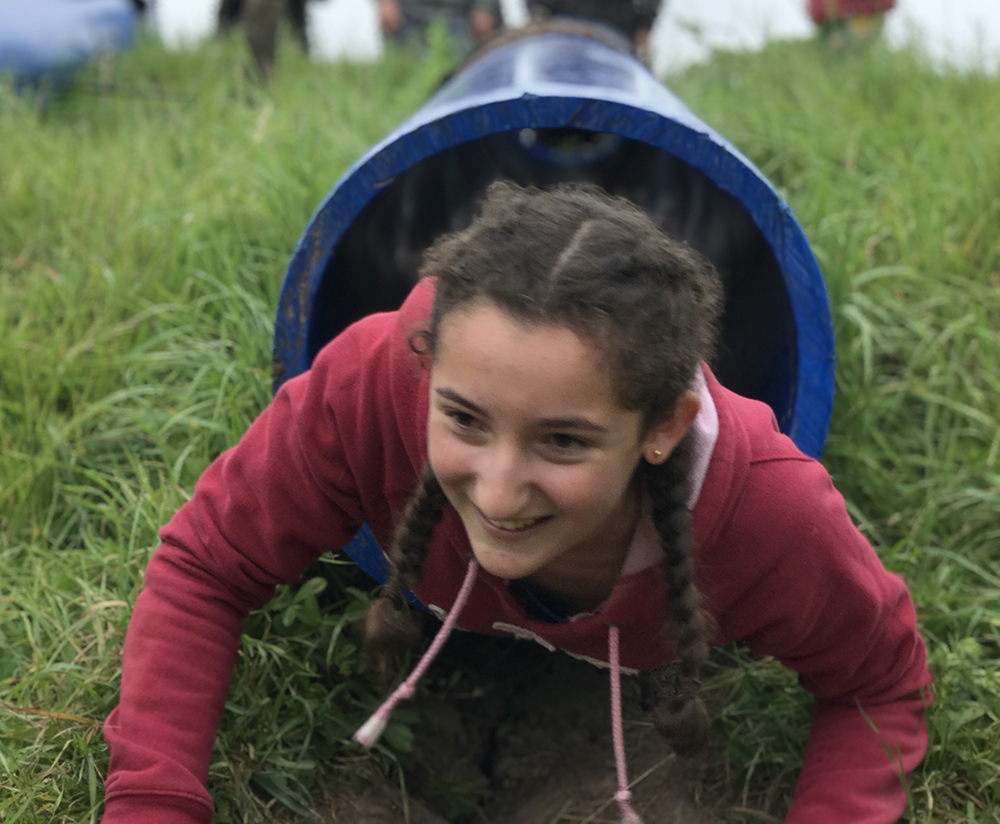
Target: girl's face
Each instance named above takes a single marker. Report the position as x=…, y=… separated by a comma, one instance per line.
x=530, y=443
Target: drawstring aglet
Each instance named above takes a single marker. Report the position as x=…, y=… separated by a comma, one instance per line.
x=629, y=816
x=369, y=733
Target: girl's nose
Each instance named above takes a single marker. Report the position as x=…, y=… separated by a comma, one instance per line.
x=503, y=487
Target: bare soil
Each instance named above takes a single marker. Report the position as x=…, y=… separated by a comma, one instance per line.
x=512, y=734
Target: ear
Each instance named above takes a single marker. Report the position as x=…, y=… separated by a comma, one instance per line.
x=665, y=437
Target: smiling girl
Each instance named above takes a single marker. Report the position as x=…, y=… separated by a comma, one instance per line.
x=538, y=437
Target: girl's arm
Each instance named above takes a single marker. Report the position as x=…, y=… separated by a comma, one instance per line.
x=260, y=514
x=859, y=759
x=810, y=591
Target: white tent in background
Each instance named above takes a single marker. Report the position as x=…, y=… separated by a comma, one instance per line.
x=964, y=34
x=344, y=29
x=181, y=23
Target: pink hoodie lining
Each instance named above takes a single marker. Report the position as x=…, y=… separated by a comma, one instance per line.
x=645, y=550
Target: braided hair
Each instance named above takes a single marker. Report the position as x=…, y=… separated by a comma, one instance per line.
x=575, y=256
x=680, y=718
x=389, y=628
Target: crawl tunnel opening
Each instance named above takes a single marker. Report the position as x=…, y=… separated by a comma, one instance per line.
x=548, y=107
x=757, y=350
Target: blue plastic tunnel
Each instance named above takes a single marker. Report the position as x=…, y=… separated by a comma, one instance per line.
x=550, y=107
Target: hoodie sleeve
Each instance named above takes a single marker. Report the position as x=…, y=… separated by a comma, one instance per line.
x=261, y=513
x=812, y=593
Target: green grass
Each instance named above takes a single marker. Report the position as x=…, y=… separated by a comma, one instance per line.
x=894, y=172
x=146, y=219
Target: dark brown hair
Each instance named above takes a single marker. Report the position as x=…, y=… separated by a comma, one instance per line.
x=577, y=257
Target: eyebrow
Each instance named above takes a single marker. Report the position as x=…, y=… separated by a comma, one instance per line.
x=579, y=424
x=454, y=397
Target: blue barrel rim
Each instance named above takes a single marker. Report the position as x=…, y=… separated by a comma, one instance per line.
x=443, y=124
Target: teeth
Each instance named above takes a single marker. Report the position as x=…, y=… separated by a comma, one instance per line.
x=514, y=525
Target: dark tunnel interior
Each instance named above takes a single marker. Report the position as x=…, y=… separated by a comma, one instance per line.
x=375, y=263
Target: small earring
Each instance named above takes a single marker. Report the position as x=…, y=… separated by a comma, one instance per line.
x=657, y=453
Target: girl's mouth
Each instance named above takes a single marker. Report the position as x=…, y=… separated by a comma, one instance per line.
x=515, y=526
x=511, y=526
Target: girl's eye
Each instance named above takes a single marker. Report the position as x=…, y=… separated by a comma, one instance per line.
x=567, y=443
x=462, y=420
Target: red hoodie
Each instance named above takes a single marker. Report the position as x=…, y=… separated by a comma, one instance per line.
x=778, y=561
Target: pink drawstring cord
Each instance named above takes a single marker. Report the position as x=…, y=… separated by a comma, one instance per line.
x=624, y=795
x=369, y=732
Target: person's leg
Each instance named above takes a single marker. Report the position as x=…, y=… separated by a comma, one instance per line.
x=633, y=19
x=228, y=14
x=296, y=10
x=260, y=20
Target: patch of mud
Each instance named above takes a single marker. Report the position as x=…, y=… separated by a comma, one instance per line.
x=380, y=803
x=511, y=734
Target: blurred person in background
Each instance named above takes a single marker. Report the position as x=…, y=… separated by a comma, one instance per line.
x=846, y=21
x=471, y=22
x=260, y=19
x=634, y=18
